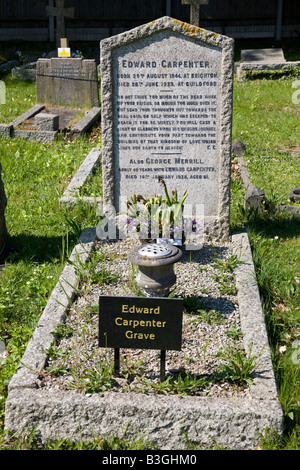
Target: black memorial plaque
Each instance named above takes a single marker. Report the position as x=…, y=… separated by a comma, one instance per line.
x=140, y=322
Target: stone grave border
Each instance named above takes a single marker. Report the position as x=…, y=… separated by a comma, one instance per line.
x=8, y=130
x=71, y=195
x=233, y=423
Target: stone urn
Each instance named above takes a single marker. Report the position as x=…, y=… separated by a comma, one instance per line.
x=294, y=195
x=156, y=267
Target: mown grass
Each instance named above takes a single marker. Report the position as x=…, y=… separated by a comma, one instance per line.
x=19, y=97
x=42, y=234
x=267, y=121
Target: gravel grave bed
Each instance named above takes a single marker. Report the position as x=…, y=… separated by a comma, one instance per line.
x=207, y=317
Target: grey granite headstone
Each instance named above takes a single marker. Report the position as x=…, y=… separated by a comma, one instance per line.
x=167, y=111
x=67, y=82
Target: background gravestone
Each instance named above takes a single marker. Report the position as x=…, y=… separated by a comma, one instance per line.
x=167, y=110
x=262, y=55
x=3, y=202
x=195, y=10
x=67, y=82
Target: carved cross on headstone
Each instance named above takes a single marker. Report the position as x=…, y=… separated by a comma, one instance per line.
x=195, y=10
x=61, y=13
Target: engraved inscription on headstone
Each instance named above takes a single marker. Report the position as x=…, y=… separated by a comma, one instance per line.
x=166, y=111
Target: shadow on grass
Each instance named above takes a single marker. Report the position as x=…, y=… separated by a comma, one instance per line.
x=36, y=249
x=268, y=223
x=283, y=225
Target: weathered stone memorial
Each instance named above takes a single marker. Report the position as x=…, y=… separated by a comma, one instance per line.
x=167, y=111
x=67, y=82
x=258, y=60
x=65, y=88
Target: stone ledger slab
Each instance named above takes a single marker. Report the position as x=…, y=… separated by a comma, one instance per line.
x=46, y=122
x=167, y=111
x=234, y=423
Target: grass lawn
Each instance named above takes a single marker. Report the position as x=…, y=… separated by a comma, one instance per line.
x=42, y=234
x=267, y=121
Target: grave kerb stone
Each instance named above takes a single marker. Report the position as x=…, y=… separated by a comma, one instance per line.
x=37, y=108
x=39, y=136
x=6, y=130
x=47, y=122
x=71, y=195
x=90, y=118
x=162, y=43
x=25, y=72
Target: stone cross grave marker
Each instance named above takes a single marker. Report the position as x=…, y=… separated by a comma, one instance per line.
x=60, y=12
x=67, y=82
x=195, y=10
x=167, y=111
